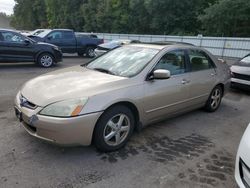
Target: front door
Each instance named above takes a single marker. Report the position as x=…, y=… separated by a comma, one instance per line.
x=14, y=48
x=166, y=97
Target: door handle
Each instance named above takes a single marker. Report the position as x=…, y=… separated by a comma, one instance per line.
x=213, y=74
x=184, y=81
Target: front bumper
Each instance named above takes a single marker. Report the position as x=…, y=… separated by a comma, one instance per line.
x=99, y=52
x=238, y=83
x=58, y=55
x=242, y=165
x=63, y=131
x=242, y=173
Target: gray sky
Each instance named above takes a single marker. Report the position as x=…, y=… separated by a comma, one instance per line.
x=7, y=6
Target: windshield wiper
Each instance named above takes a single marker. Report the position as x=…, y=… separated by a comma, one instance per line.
x=104, y=70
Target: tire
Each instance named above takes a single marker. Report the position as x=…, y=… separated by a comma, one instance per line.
x=114, y=128
x=214, y=100
x=46, y=60
x=90, y=51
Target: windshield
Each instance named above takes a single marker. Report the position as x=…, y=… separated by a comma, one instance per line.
x=44, y=33
x=126, y=61
x=246, y=60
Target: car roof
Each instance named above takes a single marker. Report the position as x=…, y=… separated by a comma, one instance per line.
x=2, y=29
x=160, y=46
x=60, y=29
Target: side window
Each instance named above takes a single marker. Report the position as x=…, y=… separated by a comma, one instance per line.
x=199, y=60
x=173, y=61
x=11, y=37
x=55, y=35
x=68, y=35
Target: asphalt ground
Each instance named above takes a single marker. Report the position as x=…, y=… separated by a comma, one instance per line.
x=196, y=149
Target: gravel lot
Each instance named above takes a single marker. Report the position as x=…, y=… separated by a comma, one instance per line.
x=194, y=150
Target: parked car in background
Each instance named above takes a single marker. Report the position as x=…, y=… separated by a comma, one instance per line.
x=14, y=47
x=240, y=73
x=129, y=87
x=242, y=166
x=35, y=32
x=69, y=42
x=103, y=48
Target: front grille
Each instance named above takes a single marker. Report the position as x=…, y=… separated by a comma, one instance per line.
x=25, y=103
x=29, y=105
x=241, y=76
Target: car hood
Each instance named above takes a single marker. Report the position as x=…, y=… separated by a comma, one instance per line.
x=70, y=83
x=47, y=44
x=241, y=63
x=35, y=38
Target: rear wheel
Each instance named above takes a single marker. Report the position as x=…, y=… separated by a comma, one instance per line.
x=46, y=60
x=214, y=100
x=90, y=51
x=114, y=128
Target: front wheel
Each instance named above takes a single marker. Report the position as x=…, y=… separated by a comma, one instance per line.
x=114, y=128
x=90, y=51
x=46, y=60
x=214, y=100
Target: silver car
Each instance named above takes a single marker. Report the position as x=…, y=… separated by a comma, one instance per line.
x=128, y=88
x=240, y=72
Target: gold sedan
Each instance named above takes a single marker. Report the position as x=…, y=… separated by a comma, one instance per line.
x=128, y=88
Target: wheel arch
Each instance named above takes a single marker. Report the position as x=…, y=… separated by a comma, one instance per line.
x=222, y=87
x=129, y=105
x=44, y=52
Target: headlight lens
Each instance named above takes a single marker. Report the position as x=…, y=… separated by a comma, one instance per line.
x=56, y=48
x=68, y=108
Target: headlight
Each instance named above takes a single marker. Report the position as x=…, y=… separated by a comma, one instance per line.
x=68, y=108
x=57, y=48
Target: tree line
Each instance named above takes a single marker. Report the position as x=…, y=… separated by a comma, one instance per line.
x=169, y=17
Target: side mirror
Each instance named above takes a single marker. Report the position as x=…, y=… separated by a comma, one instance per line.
x=161, y=74
x=49, y=37
x=27, y=42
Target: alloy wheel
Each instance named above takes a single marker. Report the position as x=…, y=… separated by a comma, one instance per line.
x=46, y=61
x=215, y=98
x=116, y=130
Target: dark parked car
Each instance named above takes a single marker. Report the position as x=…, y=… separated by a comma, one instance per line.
x=69, y=42
x=103, y=48
x=14, y=47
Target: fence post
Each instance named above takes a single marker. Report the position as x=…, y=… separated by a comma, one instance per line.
x=201, y=38
x=224, y=47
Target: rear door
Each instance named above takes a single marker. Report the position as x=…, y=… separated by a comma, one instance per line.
x=69, y=41
x=202, y=75
x=165, y=97
x=14, y=48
